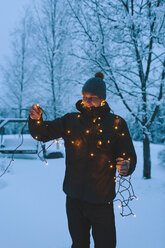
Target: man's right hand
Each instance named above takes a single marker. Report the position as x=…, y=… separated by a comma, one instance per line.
x=35, y=112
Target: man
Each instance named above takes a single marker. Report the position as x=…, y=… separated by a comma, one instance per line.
x=97, y=142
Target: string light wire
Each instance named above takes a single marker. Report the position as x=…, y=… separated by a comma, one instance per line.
x=21, y=143
x=12, y=157
x=124, y=185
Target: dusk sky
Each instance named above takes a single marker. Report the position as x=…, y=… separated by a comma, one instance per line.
x=10, y=13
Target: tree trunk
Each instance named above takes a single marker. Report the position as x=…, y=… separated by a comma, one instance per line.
x=146, y=157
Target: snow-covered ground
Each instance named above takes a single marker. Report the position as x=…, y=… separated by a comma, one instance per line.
x=32, y=205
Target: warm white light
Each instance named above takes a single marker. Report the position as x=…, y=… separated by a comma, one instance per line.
x=46, y=163
x=36, y=137
x=92, y=154
x=102, y=103
x=78, y=116
x=87, y=131
x=68, y=131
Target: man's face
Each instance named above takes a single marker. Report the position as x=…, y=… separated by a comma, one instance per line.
x=90, y=100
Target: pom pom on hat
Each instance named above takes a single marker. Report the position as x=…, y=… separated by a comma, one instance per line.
x=96, y=86
x=99, y=74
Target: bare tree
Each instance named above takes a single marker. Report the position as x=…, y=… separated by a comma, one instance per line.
x=19, y=69
x=125, y=39
x=49, y=37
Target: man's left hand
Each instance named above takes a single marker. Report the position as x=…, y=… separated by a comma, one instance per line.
x=122, y=166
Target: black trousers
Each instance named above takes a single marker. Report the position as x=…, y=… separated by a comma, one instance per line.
x=83, y=216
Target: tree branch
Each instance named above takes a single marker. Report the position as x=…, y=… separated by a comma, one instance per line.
x=159, y=98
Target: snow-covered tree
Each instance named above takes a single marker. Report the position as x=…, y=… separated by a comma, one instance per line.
x=50, y=35
x=19, y=69
x=125, y=40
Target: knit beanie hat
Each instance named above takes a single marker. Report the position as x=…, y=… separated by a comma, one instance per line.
x=96, y=86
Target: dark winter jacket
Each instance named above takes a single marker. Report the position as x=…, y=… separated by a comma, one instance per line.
x=93, y=140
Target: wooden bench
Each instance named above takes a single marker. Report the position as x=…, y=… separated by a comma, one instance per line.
x=10, y=144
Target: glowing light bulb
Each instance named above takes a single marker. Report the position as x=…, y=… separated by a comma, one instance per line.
x=87, y=131
x=123, y=134
x=108, y=141
x=134, y=215
x=72, y=142
x=99, y=118
x=78, y=115
x=102, y=103
x=68, y=131
x=116, y=127
x=119, y=206
x=94, y=120
x=111, y=166
x=36, y=137
x=38, y=122
x=123, y=153
x=100, y=142
x=92, y=154
x=129, y=159
x=100, y=130
x=98, y=124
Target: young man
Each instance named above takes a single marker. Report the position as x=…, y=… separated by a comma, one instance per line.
x=97, y=142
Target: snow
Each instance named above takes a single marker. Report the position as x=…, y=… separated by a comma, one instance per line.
x=32, y=205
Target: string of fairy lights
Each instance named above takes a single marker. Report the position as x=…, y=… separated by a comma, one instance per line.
x=124, y=189
x=125, y=186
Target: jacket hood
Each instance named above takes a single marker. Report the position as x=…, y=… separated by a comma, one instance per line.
x=93, y=111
